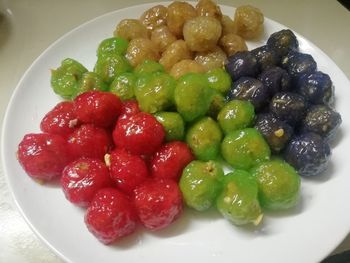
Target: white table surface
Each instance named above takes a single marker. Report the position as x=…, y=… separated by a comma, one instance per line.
x=28, y=27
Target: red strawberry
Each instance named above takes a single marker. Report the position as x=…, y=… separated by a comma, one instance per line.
x=129, y=107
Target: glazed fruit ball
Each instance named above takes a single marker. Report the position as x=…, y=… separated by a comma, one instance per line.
x=99, y=108
x=155, y=91
x=232, y=44
x=82, y=178
x=219, y=80
x=148, y=66
x=277, y=133
x=169, y=161
x=162, y=37
x=175, y=52
x=173, y=124
x=208, y=8
x=278, y=183
x=212, y=59
x=204, y=138
x=236, y=114
x=266, y=57
x=64, y=79
x=110, y=216
x=90, y=81
x=111, y=46
x=158, y=203
x=43, y=156
x=129, y=108
x=123, y=85
x=275, y=79
x=245, y=148
x=130, y=29
x=154, y=17
x=200, y=184
x=283, y=41
x=185, y=66
x=238, y=201
x=202, y=33
x=242, y=64
x=140, y=134
x=249, y=21
x=140, y=49
x=308, y=153
x=227, y=24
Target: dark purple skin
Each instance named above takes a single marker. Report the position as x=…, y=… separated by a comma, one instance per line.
x=283, y=41
x=242, y=64
x=276, y=79
x=266, y=57
x=316, y=87
x=251, y=89
x=288, y=106
x=308, y=153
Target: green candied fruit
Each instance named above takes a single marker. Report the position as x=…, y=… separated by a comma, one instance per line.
x=204, y=138
x=112, y=46
x=173, y=124
x=123, y=85
x=219, y=80
x=192, y=96
x=245, y=148
x=108, y=67
x=200, y=184
x=238, y=201
x=216, y=104
x=236, y=114
x=64, y=79
x=279, y=184
x=155, y=91
x=149, y=66
x=90, y=81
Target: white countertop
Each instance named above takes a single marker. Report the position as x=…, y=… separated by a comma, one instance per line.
x=29, y=27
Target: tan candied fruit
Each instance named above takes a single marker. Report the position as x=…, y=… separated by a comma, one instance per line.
x=212, y=59
x=178, y=14
x=186, y=66
x=232, y=43
x=249, y=21
x=208, y=8
x=130, y=29
x=162, y=37
x=202, y=33
x=227, y=24
x=177, y=51
x=140, y=49
x=154, y=17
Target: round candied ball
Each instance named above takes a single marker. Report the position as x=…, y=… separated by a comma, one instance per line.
x=242, y=64
x=130, y=29
x=154, y=17
x=251, y=89
x=208, y=8
x=186, y=66
x=316, y=87
x=308, y=153
x=283, y=41
x=266, y=57
x=275, y=79
x=232, y=43
x=129, y=108
x=249, y=21
x=92, y=81
x=162, y=37
x=123, y=85
x=175, y=52
x=140, y=49
x=173, y=124
x=288, y=106
x=219, y=80
x=148, y=66
x=113, y=45
x=227, y=24
x=211, y=59
x=323, y=120
x=178, y=14
x=277, y=133
x=202, y=33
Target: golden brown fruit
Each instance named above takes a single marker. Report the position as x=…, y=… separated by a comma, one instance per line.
x=212, y=59
x=162, y=37
x=154, y=17
x=208, y=8
x=140, y=49
x=227, y=24
x=186, y=66
x=178, y=14
x=177, y=51
x=130, y=29
x=249, y=21
x=232, y=43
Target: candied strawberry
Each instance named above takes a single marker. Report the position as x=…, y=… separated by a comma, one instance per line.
x=170, y=160
x=158, y=203
x=127, y=170
x=129, y=107
x=98, y=107
x=89, y=141
x=110, y=216
x=60, y=120
x=43, y=155
x=82, y=178
x=140, y=134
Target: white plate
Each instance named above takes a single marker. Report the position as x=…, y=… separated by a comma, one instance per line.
x=305, y=234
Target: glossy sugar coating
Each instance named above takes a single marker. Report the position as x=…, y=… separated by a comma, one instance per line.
x=173, y=124
x=112, y=46
x=90, y=81
x=154, y=17
x=148, y=66
x=208, y=8
x=249, y=21
x=219, y=80
x=212, y=59
x=123, y=85
x=232, y=43
x=162, y=37
x=130, y=29
x=141, y=49
x=275, y=79
x=283, y=41
x=175, y=52
x=186, y=66
x=178, y=14
x=227, y=24
x=242, y=64
x=266, y=57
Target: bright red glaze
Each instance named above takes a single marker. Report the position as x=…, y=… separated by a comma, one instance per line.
x=98, y=107
x=140, y=134
x=110, y=216
x=60, y=120
x=158, y=203
x=170, y=160
x=82, y=178
x=129, y=108
x=127, y=170
x=89, y=141
x=43, y=155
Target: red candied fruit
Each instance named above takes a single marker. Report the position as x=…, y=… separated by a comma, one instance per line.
x=129, y=108
x=60, y=120
x=127, y=170
x=98, y=107
x=170, y=160
x=43, y=155
x=89, y=141
x=158, y=203
x=140, y=134
x=82, y=178
x=110, y=216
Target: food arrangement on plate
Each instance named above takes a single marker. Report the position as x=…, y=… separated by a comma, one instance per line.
x=175, y=100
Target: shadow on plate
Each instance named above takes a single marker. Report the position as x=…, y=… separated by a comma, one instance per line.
x=5, y=28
